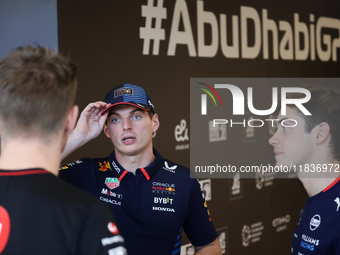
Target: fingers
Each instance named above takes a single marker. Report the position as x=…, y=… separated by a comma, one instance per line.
x=95, y=109
x=103, y=119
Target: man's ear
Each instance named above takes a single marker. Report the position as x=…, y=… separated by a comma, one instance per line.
x=71, y=119
x=155, y=122
x=323, y=131
x=106, y=131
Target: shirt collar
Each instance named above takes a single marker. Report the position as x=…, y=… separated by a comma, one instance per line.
x=23, y=172
x=149, y=171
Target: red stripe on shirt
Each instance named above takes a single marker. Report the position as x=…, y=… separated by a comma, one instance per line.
x=332, y=184
x=27, y=172
x=145, y=174
x=123, y=174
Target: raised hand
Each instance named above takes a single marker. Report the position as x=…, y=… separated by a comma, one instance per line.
x=89, y=126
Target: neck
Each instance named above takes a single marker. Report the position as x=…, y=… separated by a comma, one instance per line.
x=317, y=182
x=132, y=162
x=30, y=153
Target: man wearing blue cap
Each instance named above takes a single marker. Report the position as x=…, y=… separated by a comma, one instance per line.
x=152, y=198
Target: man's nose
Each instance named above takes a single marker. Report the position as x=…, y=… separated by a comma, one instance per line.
x=126, y=124
x=274, y=139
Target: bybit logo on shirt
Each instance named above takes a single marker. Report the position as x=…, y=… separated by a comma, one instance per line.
x=163, y=200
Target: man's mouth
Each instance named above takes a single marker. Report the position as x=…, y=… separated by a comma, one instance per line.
x=127, y=140
x=278, y=153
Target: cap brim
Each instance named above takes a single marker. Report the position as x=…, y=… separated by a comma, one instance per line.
x=137, y=105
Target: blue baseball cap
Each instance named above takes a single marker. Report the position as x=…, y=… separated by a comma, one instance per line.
x=131, y=95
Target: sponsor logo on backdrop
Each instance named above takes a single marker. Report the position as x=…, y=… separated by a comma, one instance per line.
x=264, y=180
x=251, y=234
x=315, y=222
x=181, y=135
x=187, y=249
x=280, y=223
x=206, y=189
x=302, y=38
x=223, y=239
x=217, y=133
x=235, y=187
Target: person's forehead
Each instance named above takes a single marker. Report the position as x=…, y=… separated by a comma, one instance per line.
x=117, y=109
x=291, y=112
x=292, y=115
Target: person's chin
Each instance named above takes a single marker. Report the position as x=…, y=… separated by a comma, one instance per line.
x=281, y=163
x=278, y=163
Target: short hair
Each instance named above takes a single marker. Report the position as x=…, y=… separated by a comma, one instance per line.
x=151, y=114
x=37, y=88
x=324, y=106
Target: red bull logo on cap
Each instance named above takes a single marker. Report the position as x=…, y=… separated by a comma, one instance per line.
x=123, y=92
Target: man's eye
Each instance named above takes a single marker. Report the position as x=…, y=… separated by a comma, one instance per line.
x=284, y=127
x=114, y=120
x=136, y=117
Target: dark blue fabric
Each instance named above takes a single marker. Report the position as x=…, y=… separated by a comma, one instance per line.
x=318, y=230
x=149, y=213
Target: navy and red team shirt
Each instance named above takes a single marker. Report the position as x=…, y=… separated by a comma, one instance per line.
x=318, y=231
x=151, y=207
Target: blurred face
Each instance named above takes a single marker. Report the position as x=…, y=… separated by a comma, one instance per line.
x=292, y=145
x=130, y=130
